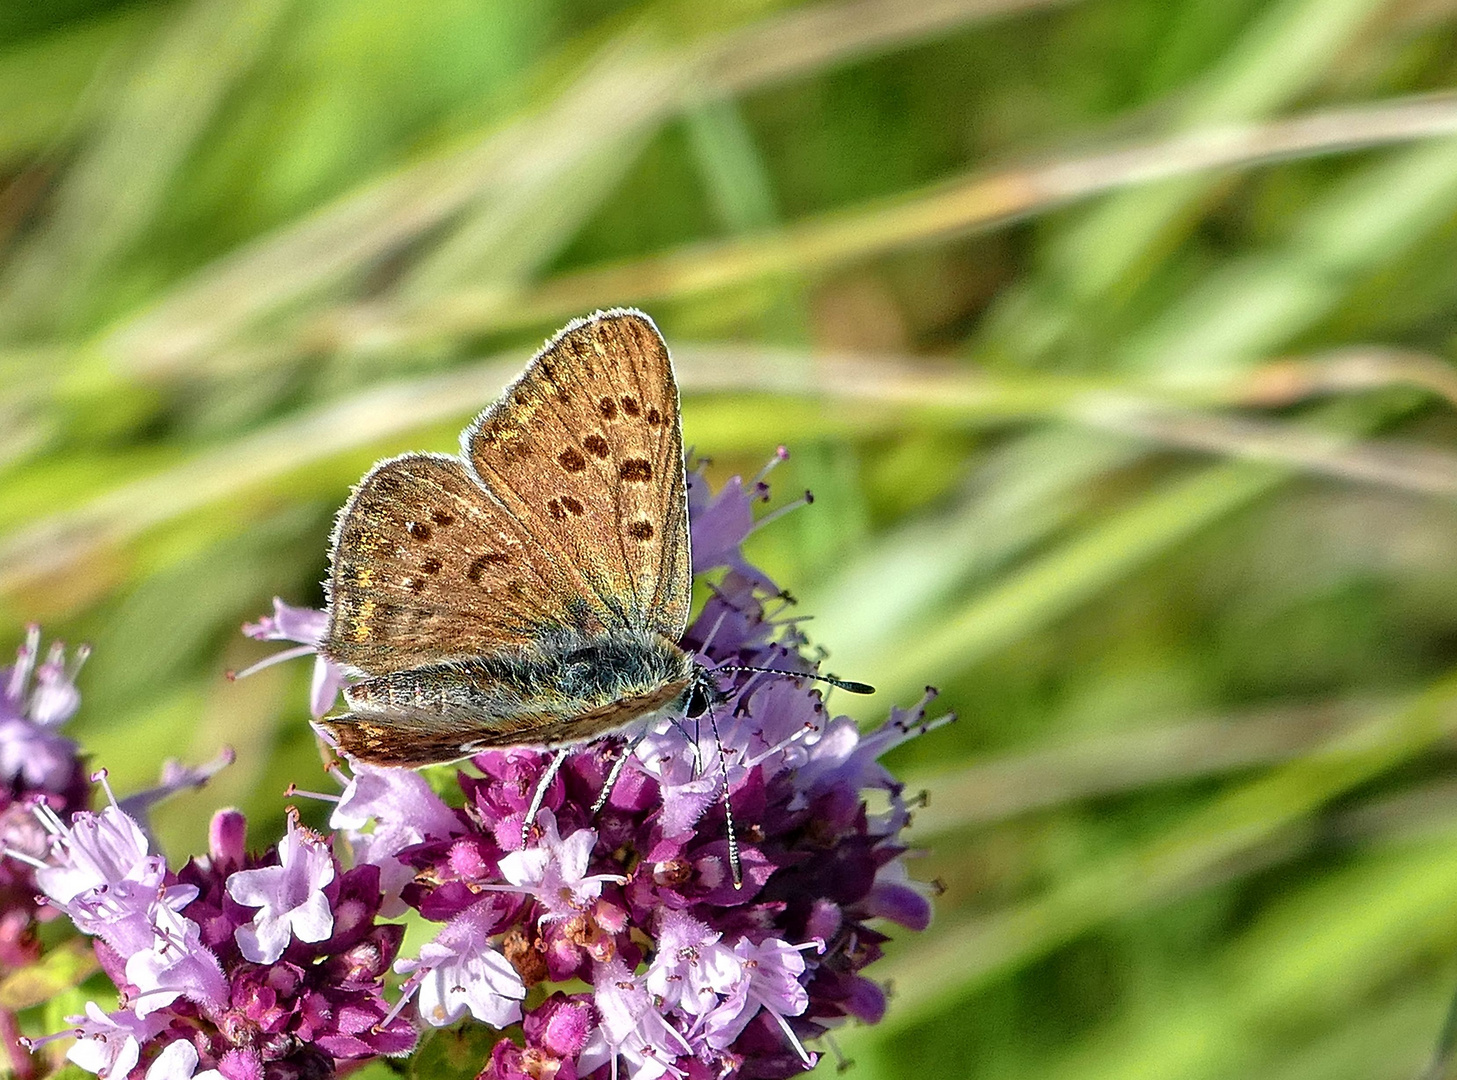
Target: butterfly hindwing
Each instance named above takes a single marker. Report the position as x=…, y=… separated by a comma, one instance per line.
x=426, y=566
x=585, y=451
x=400, y=719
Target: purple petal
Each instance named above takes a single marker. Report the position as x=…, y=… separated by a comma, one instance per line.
x=42, y=759
x=176, y=777
x=227, y=837
x=560, y=1025
x=899, y=903
x=866, y=1001
x=241, y=1065
x=328, y=678
x=288, y=623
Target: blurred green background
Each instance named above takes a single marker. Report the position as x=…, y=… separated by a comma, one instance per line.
x=1114, y=337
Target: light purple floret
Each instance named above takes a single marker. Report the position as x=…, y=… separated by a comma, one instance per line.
x=289, y=897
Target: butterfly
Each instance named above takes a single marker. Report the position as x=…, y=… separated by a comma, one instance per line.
x=534, y=590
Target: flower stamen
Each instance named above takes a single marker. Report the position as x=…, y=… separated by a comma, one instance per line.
x=268, y=661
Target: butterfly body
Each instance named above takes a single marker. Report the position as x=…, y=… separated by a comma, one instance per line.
x=567, y=688
x=531, y=591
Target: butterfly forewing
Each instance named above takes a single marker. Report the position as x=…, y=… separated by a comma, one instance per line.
x=586, y=453
x=426, y=566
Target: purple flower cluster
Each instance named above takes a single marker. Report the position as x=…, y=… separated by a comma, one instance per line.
x=234, y=968
x=37, y=766
x=610, y=943
x=691, y=974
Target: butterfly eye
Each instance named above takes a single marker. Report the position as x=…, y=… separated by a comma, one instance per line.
x=697, y=703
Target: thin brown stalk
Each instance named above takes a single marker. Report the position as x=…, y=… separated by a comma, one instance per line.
x=813, y=38
x=1402, y=466
x=1345, y=371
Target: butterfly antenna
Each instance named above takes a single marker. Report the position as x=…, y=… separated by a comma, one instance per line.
x=844, y=684
x=617, y=767
x=728, y=807
x=539, y=795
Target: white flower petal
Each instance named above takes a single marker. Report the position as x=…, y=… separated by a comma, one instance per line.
x=312, y=920
x=525, y=868
x=255, y=888
x=263, y=940
x=109, y=1044
x=113, y=1055
x=460, y=970
x=574, y=853
x=494, y=991
x=177, y=1062
x=435, y=1002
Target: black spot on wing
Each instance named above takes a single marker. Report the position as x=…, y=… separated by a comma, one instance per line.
x=477, y=568
x=638, y=470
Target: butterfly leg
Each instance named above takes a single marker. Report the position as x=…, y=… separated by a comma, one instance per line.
x=539, y=795
x=728, y=807
x=617, y=767
x=692, y=741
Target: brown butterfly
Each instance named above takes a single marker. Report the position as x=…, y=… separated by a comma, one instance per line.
x=532, y=591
